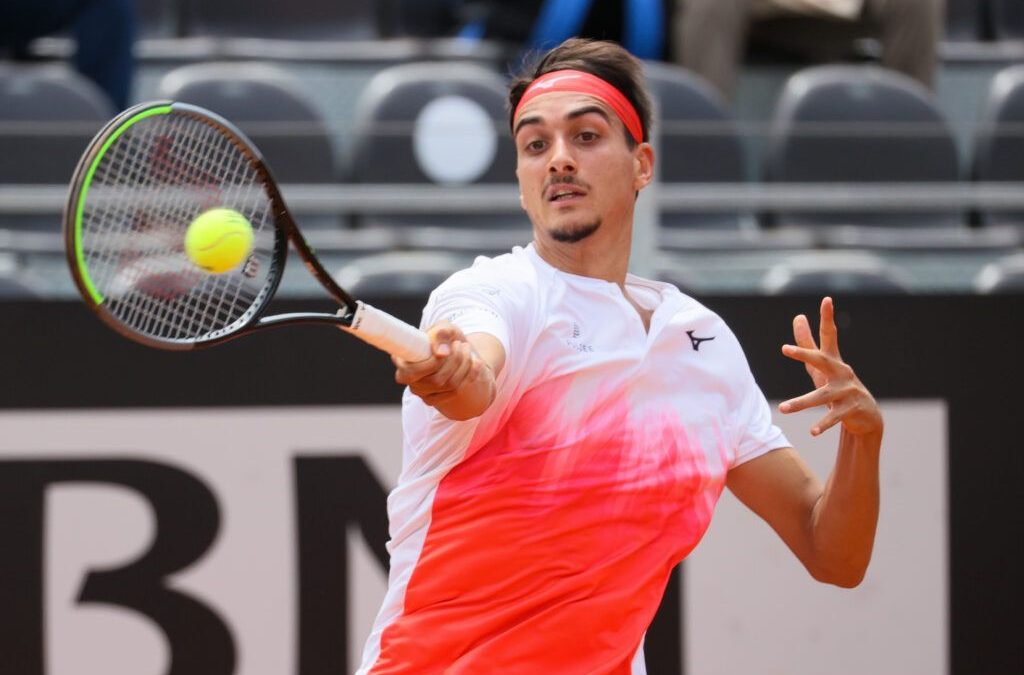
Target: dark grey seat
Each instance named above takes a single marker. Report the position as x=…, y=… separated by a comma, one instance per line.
x=832, y=273
x=865, y=124
x=438, y=124
x=400, y=273
x=1007, y=19
x=48, y=115
x=269, y=105
x=1002, y=277
x=964, y=20
x=999, y=142
x=698, y=141
x=294, y=20
x=13, y=285
x=13, y=288
x=158, y=18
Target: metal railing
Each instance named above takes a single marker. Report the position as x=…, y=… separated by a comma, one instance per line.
x=721, y=197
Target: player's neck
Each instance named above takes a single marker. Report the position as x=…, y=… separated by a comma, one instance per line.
x=602, y=255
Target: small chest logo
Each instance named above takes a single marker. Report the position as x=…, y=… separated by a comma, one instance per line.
x=695, y=341
x=574, y=341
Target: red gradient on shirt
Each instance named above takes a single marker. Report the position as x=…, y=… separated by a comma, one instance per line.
x=550, y=547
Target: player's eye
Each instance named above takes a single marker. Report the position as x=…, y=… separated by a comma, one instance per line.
x=536, y=145
x=588, y=136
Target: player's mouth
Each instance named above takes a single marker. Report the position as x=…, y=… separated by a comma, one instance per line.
x=564, y=193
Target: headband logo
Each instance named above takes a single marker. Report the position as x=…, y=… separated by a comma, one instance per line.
x=548, y=84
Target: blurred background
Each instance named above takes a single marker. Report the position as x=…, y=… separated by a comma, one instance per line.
x=868, y=149
x=869, y=145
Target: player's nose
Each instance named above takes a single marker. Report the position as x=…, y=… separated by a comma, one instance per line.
x=561, y=159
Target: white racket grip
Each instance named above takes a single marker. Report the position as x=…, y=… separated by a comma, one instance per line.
x=385, y=332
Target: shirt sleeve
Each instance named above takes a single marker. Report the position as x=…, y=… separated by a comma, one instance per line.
x=472, y=304
x=756, y=434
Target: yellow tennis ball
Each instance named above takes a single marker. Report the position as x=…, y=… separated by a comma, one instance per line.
x=219, y=240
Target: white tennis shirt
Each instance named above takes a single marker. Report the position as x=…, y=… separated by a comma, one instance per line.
x=539, y=537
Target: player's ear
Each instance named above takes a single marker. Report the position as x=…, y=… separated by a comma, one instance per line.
x=643, y=166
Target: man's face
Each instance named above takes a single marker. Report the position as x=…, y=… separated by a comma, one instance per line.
x=576, y=170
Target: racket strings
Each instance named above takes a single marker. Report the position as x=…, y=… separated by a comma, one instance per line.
x=153, y=180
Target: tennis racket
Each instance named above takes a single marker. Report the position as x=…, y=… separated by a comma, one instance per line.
x=143, y=179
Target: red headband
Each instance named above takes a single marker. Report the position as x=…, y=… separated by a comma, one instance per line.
x=591, y=85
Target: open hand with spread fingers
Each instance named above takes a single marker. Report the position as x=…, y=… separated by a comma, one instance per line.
x=836, y=385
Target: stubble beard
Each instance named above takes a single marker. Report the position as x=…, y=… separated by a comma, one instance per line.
x=571, y=235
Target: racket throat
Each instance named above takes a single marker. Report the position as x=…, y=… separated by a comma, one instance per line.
x=346, y=317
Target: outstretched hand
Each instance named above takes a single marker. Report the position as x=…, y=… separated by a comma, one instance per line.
x=836, y=385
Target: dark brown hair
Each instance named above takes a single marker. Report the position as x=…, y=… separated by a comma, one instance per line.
x=602, y=58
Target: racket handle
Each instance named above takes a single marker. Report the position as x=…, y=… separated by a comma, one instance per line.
x=385, y=332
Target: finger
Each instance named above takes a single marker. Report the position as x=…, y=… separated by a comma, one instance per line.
x=439, y=380
x=440, y=342
x=833, y=416
x=475, y=369
x=802, y=332
x=813, y=357
x=821, y=396
x=476, y=365
x=803, y=337
x=407, y=372
x=827, y=330
x=442, y=335
x=465, y=363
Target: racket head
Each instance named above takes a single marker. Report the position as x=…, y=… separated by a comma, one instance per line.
x=141, y=182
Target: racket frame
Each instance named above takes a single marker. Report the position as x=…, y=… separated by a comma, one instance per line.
x=285, y=230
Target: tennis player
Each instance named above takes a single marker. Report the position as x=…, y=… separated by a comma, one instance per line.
x=567, y=441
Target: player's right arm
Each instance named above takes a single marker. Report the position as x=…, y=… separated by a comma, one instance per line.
x=460, y=377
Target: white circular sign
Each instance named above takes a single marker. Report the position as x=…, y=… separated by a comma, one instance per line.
x=454, y=140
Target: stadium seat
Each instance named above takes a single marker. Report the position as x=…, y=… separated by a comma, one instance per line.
x=48, y=115
x=400, y=273
x=698, y=141
x=13, y=288
x=12, y=284
x=864, y=124
x=1002, y=277
x=834, y=272
x=1007, y=19
x=963, y=20
x=295, y=20
x=268, y=104
x=999, y=142
x=159, y=18
x=438, y=124
x=680, y=277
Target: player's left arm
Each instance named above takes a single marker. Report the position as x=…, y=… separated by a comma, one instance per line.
x=830, y=527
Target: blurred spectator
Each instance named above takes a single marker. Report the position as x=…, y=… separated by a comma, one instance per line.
x=104, y=31
x=710, y=36
x=542, y=24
